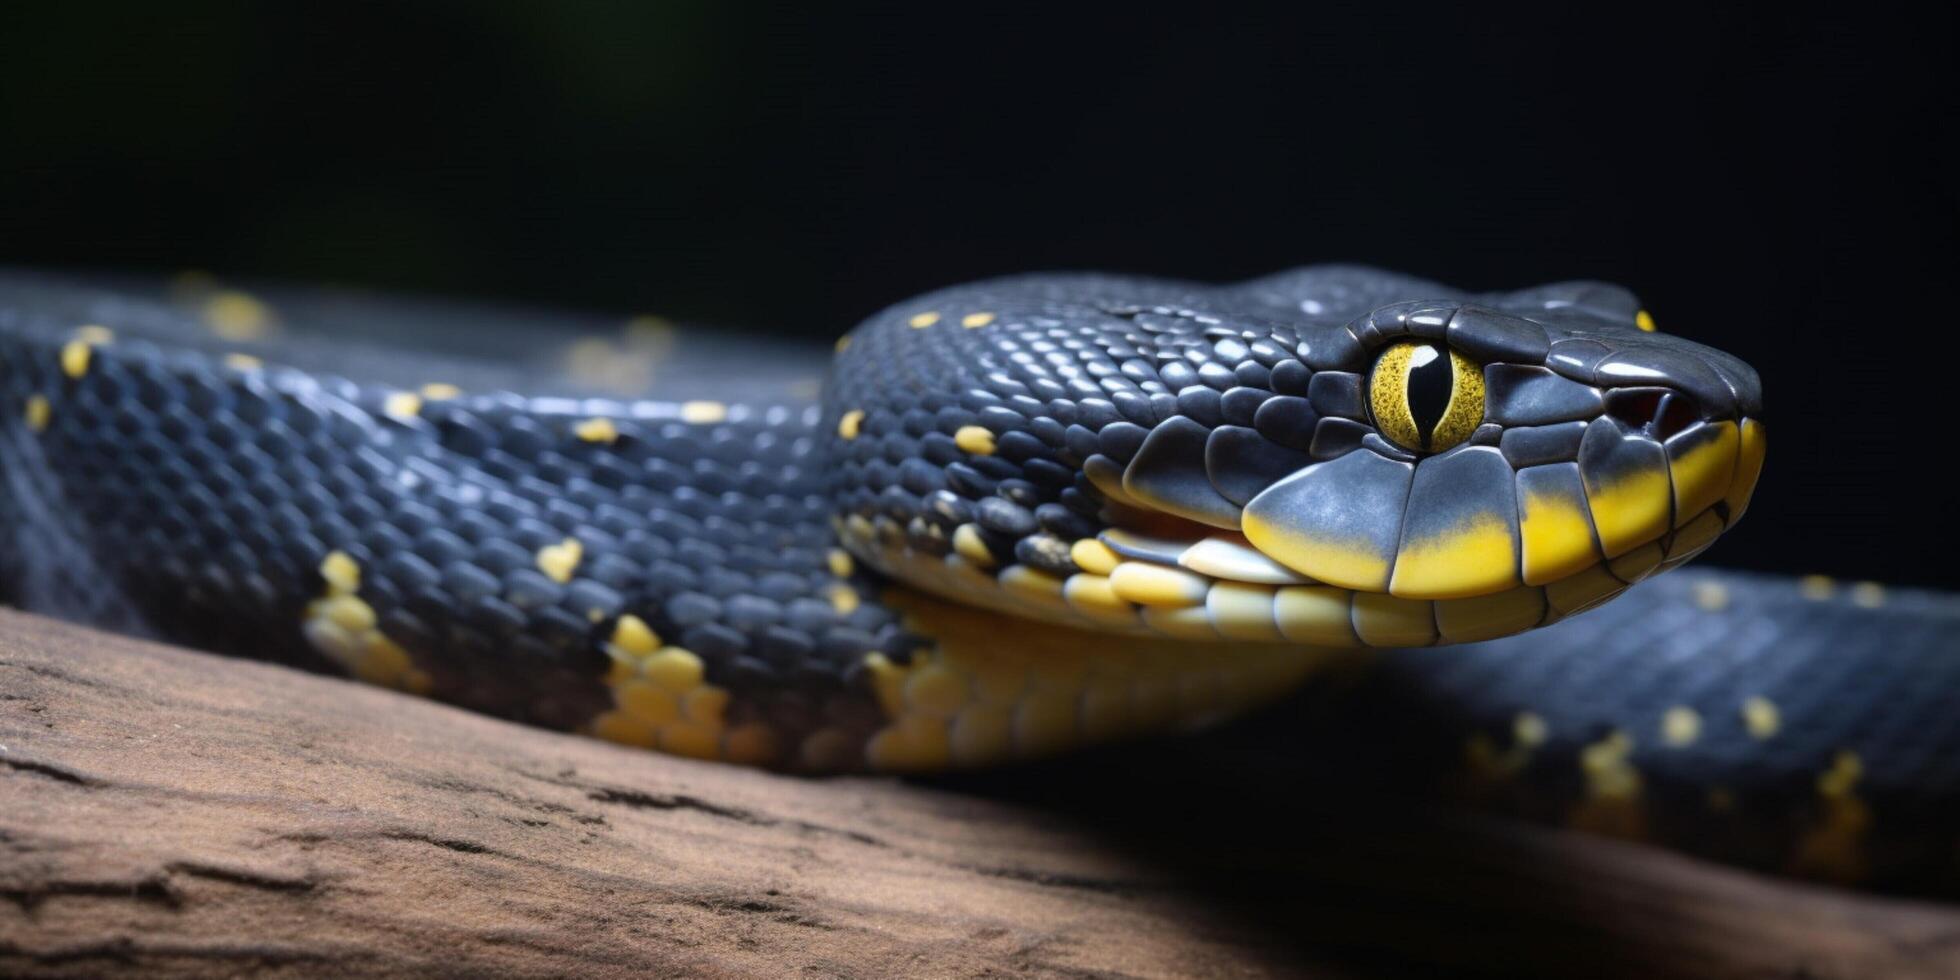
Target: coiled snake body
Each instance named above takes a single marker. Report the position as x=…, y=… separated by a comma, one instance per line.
x=999, y=521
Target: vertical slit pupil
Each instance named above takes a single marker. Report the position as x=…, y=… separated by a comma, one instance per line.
x=1431, y=379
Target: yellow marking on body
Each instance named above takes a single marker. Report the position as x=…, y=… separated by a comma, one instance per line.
x=94, y=333
x=1711, y=596
x=1529, y=730
x=439, y=391
x=596, y=430
x=850, y=423
x=1868, y=595
x=1488, y=617
x=243, y=362
x=974, y=439
x=1477, y=558
x=632, y=636
x=975, y=320
x=1148, y=584
x=1833, y=849
x=1093, y=556
x=1680, y=726
x=341, y=572
x=344, y=628
x=1383, y=620
x=844, y=599
x=1556, y=536
x=703, y=412
x=840, y=562
x=1761, y=718
x=237, y=316
x=1351, y=563
x=1703, y=475
x=843, y=344
x=402, y=405
x=37, y=413
x=1644, y=320
x=920, y=321
x=75, y=356
x=1748, y=469
x=1816, y=588
x=559, y=561
x=1630, y=510
x=1613, y=789
x=675, y=669
x=968, y=544
x=1316, y=614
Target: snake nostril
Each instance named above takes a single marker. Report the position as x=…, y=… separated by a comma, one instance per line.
x=1678, y=411
x=1657, y=411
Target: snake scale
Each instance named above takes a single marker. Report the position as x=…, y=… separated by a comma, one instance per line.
x=999, y=521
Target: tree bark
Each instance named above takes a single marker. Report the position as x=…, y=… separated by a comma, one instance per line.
x=165, y=812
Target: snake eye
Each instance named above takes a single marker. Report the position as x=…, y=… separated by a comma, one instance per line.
x=1426, y=397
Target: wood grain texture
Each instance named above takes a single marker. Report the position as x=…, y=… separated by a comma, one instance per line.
x=170, y=813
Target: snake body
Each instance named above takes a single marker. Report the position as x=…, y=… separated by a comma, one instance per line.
x=999, y=521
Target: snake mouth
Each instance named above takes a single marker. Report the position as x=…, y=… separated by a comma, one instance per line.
x=1476, y=548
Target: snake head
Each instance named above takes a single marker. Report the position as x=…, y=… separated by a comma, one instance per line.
x=1325, y=456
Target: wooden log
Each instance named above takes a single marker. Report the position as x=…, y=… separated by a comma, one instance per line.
x=170, y=813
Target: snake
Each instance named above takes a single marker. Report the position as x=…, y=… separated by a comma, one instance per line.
x=1000, y=521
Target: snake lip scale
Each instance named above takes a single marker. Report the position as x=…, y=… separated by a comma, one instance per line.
x=998, y=521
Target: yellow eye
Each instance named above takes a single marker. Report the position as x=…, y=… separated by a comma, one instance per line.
x=1426, y=397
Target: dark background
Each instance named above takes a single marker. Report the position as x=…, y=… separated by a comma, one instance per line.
x=1779, y=183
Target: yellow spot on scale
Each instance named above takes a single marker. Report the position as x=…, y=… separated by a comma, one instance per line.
x=596, y=430
x=840, y=562
x=438, y=391
x=844, y=599
x=237, y=316
x=974, y=439
x=851, y=423
x=341, y=572
x=1711, y=596
x=243, y=362
x=1644, y=320
x=675, y=669
x=703, y=412
x=1816, y=588
x=1529, y=730
x=1760, y=717
x=1680, y=726
x=975, y=320
x=843, y=343
x=94, y=333
x=1350, y=563
x=403, y=405
x=558, y=561
x=1868, y=595
x=920, y=321
x=632, y=636
x=37, y=413
x=74, y=358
